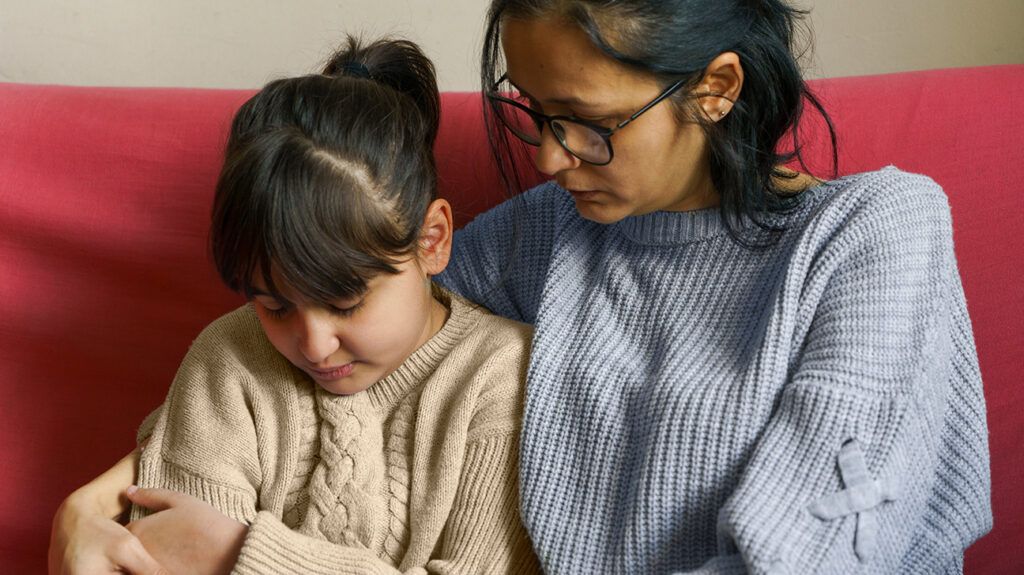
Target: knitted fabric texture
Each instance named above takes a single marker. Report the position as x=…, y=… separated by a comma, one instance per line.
x=308, y=426
x=415, y=475
x=344, y=492
x=689, y=398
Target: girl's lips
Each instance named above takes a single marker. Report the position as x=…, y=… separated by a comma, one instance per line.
x=333, y=373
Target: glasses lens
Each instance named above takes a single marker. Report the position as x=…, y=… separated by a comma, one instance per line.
x=518, y=121
x=583, y=142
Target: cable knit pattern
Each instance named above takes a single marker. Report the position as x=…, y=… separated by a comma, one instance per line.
x=345, y=488
x=401, y=427
x=308, y=424
x=689, y=398
x=400, y=471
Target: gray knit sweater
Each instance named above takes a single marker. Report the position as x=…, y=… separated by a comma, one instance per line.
x=697, y=406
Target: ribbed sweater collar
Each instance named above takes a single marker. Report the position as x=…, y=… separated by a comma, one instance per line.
x=462, y=317
x=672, y=228
x=680, y=228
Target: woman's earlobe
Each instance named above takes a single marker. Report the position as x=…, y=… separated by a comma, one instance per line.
x=722, y=84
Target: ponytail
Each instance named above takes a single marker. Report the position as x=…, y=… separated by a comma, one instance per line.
x=398, y=64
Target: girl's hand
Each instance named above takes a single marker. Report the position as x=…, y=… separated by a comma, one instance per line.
x=185, y=534
x=84, y=541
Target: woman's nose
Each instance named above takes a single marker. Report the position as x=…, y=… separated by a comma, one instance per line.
x=551, y=157
x=317, y=337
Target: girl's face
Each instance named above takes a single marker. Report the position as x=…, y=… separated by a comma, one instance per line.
x=350, y=345
x=659, y=163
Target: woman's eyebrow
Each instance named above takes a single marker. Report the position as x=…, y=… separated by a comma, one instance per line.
x=570, y=101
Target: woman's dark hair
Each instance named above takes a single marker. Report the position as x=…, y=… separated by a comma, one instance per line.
x=677, y=39
x=327, y=177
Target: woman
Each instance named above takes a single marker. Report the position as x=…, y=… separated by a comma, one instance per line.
x=736, y=367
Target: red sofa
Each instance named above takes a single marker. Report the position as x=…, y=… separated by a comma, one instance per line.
x=104, y=195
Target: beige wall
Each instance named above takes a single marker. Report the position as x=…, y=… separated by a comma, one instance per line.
x=856, y=37
x=237, y=43
x=220, y=43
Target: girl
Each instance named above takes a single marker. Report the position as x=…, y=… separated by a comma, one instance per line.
x=352, y=417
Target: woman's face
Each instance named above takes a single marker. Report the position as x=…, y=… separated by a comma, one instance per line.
x=659, y=163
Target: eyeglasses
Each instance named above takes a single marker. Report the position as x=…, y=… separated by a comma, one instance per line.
x=587, y=141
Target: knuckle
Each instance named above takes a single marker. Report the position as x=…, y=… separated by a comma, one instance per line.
x=126, y=546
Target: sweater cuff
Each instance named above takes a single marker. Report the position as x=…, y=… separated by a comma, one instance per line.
x=156, y=473
x=271, y=547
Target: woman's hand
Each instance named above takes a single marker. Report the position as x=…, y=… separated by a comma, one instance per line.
x=185, y=534
x=84, y=541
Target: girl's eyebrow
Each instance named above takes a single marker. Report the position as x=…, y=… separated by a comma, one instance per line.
x=258, y=292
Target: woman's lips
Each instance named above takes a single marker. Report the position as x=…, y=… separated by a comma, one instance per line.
x=333, y=373
x=584, y=194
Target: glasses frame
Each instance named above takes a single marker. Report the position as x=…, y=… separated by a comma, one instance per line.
x=605, y=134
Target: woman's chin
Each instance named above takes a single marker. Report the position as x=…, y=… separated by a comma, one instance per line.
x=598, y=212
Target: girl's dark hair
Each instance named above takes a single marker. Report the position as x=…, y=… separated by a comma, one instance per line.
x=677, y=39
x=327, y=177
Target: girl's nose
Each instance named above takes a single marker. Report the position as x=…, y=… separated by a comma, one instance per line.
x=317, y=338
x=551, y=158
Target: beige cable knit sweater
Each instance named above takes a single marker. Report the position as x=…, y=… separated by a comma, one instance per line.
x=418, y=474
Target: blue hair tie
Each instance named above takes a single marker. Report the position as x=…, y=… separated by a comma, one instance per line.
x=357, y=69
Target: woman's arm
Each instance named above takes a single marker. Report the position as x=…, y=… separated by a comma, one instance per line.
x=877, y=445
x=106, y=493
x=86, y=537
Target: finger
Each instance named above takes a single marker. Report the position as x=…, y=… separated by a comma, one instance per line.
x=152, y=498
x=133, y=558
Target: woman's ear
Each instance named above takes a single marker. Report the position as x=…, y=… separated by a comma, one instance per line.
x=435, y=243
x=723, y=80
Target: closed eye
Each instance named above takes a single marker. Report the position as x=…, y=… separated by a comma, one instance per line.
x=277, y=313
x=345, y=311
x=274, y=310
x=272, y=305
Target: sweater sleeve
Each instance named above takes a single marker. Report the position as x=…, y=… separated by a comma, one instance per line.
x=501, y=258
x=483, y=533
x=878, y=442
x=146, y=427
x=203, y=438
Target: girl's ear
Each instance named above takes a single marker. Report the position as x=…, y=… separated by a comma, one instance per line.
x=724, y=78
x=435, y=243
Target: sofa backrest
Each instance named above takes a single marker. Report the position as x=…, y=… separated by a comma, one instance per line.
x=104, y=199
